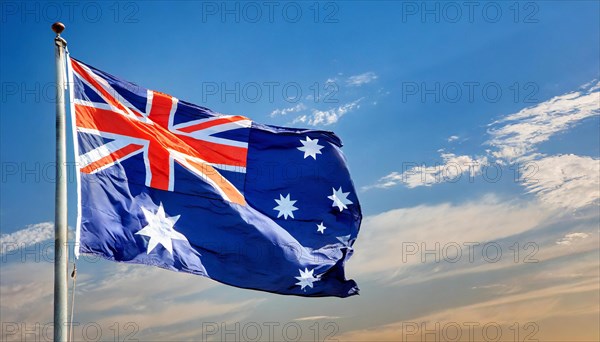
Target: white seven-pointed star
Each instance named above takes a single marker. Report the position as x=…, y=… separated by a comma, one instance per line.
x=160, y=229
x=285, y=206
x=340, y=199
x=306, y=278
x=310, y=147
x=321, y=228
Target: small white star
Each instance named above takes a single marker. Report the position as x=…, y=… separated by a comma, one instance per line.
x=306, y=278
x=310, y=147
x=285, y=206
x=321, y=228
x=160, y=229
x=340, y=199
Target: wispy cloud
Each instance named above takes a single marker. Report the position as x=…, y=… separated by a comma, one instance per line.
x=327, y=117
x=358, y=80
x=339, y=90
x=284, y=111
x=571, y=238
x=516, y=136
x=567, y=181
x=27, y=236
x=451, y=169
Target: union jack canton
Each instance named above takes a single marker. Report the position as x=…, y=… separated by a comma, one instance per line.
x=168, y=183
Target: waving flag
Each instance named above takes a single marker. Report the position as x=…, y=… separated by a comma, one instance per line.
x=167, y=183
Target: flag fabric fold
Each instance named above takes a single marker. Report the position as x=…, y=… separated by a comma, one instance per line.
x=168, y=183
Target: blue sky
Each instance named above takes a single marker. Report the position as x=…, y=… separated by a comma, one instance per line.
x=415, y=90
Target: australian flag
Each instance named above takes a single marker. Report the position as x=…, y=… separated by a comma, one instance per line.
x=168, y=183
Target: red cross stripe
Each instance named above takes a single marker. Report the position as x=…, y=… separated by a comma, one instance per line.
x=190, y=144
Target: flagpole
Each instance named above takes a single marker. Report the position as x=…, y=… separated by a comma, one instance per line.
x=60, y=229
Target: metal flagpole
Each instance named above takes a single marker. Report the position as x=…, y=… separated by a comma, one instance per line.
x=60, y=231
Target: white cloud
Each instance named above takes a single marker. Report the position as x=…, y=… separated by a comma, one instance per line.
x=358, y=80
x=567, y=181
x=301, y=119
x=328, y=117
x=452, y=138
x=570, y=238
x=452, y=168
x=285, y=111
x=27, y=236
x=516, y=136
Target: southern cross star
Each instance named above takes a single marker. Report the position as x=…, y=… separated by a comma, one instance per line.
x=321, y=228
x=306, y=278
x=340, y=199
x=310, y=147
x=285, y=206
x=160, y=229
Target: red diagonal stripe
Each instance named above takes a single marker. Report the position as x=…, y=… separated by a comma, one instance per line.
x=111, y=158
x=98, y=87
